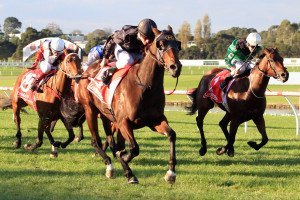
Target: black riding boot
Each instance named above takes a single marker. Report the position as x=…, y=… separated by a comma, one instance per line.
x=225, y=82
x=108, y=74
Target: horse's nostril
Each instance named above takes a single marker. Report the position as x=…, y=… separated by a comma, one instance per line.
x=173, y=67
x=283, y=75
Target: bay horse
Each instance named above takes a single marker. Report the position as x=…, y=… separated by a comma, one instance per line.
x=138, y=101
x=245, y=100
x=47, y=104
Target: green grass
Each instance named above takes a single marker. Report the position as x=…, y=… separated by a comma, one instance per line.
x=270, y=173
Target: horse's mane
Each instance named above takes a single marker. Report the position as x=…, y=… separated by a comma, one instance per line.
x=272, y=51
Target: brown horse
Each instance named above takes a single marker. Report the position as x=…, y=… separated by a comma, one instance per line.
x=245, y=100
x=48, y=103
x=138, y=101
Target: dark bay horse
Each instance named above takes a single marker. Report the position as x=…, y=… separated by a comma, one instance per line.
x=48, y=103
x=138, y=101
x=245, y=99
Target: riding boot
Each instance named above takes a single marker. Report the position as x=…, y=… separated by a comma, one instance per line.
x=225, y=82
x=106, y=76
x=39, y=76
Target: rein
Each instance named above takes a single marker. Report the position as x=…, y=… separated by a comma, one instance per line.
x=270, y=62
x=160, y=60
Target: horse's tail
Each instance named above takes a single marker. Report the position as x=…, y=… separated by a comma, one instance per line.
x=192, y=108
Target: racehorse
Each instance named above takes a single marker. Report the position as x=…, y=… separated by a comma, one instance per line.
x=138, y=101
x=47, y=104
x=245, y=100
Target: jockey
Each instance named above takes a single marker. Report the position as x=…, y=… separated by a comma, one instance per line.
x=50, y=55
x=95, y=53
x=127, y=45
x=239, y=55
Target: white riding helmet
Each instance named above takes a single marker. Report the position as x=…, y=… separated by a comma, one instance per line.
x=254, y=39
x=57, y=45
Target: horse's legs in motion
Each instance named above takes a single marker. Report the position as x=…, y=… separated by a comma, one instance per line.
x=125, y=157
x=260, y=124
x=71, y=134
x=55, y=145
x=39, y=140
x=109, y=136
x=91, y=118
x=164, y=128
x=80, y=136
x=204, y=106
x=17, y=119
x=224, y=123
x=234, y=124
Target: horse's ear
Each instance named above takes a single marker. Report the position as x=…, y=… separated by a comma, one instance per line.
x=155, y=31
x=170, y=28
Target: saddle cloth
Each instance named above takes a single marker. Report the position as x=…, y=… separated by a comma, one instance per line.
x=214, y=91
x=104, y=92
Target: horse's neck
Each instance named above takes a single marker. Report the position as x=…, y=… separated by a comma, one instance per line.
x=148, y=72
x=59, y=83
x=258, y=82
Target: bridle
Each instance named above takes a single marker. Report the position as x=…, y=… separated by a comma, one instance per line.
x=271, y=65
x=67, y=72
x=158, y=57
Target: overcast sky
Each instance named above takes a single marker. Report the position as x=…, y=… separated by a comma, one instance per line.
x=88, y=15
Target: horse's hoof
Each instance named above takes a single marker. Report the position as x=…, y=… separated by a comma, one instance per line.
x=110, y=171
x=133, y=180
x=221, y=150
x=119, y=154
x=28, y=147
x=230, y=153
x=253, y=145
x=170, y=177
x=202, y=151
x=53, y=155
x=17, y=144
x=63, y=145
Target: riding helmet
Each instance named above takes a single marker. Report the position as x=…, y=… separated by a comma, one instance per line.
x=145, y=28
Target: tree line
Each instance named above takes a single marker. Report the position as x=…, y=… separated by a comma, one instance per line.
x=200, y=43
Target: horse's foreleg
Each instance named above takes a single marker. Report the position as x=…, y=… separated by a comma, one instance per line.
x=164, y=128
x=125, y=158
x=39, y=139
x=109, y=136
x=224, y=123
x=70, y=132
x=230, y=141
x=80, y=136
x=17, y=121
x=260, y=124
x=202, y=111
x=91, y=118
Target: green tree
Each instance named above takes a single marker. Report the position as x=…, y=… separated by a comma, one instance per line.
x=96, y=37
x=11, y=24
x=6, y=49
x=27, y=37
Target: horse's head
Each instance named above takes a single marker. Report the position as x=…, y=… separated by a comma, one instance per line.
x=71, y=66
x=272, y=65
x=167, y=49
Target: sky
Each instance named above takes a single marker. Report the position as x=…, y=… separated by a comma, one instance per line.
x=89, y=15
